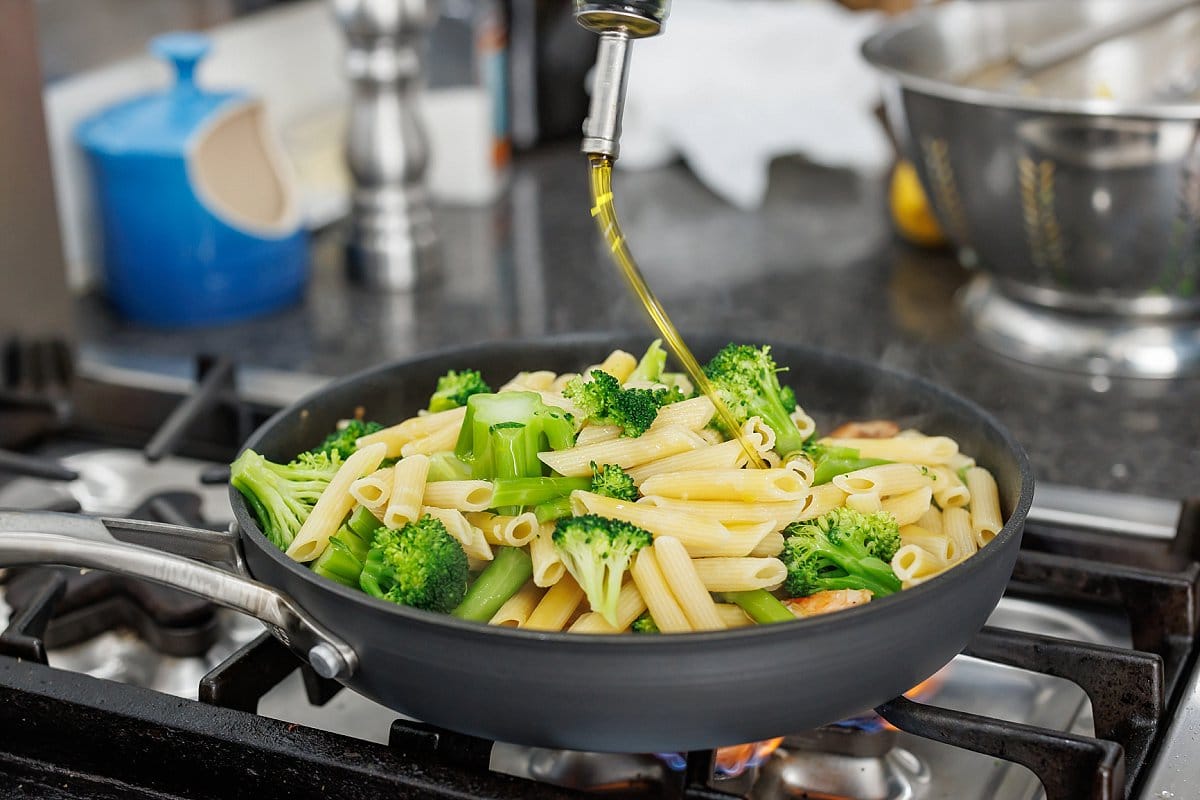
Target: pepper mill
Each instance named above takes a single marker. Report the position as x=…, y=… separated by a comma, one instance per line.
x=392, y=240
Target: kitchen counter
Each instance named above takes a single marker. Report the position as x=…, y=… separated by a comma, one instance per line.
x=818, y=263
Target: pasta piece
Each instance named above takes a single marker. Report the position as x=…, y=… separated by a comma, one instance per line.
x=591, y=434
x=700, y=535
x=806, y=425
x=556, y=607
x=957, y=527
x=619, y=364
x=372, y=491
x=960, y=461
x=408, y=490
x=539, y=381
x=505, y=530
x=470, y=537
x=931, y=521
x=914, y=564
x=865, y=502
x=915, y=450
x=397, y=436
x=681, y=576
x=334, y=503
x=664, y=608
x=745, y=485
x=938, y=544
x=516, y=609
x=771, y=459
x=726, y=455
x=729, y=511
x=710, y=436
x=802, y=466
x=562, y=380
x=825, y=497
x=985, y=505
x=442, y=439
x=630, y=606
x=461, y=495
x=760, y=434
x=577, y=461
x=739, y=574
x=769, y=545
x=908, y=508
x=885, y=480
x=948, y=490
x=548, y=568
x=692, y=414
x=744, y=539
x=733, y=616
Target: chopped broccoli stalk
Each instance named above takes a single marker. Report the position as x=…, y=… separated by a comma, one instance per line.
x=612, y=481
x=534, y=491
x=357, y=544
x=961, y=472
x=597, y=551
x=419, y=565
x=645, y=624
x=502, y=434
x=788, y=395
x=446, y=466
x=833, y=461
x=338, y=563
x=454, y=388
x=282, y=495
x=554, y=509
x=841, y=549
x=603, y=401
x=746, y=379
x=761, y=606
x=652, y=364
x=363, y=523
x=344, y=441
x=501, y=579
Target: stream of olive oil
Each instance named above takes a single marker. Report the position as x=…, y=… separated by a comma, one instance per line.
x=606, y=218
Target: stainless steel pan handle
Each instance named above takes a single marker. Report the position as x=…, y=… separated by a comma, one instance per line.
x=73, y=540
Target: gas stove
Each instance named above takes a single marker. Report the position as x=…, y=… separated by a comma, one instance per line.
x=1082, y=685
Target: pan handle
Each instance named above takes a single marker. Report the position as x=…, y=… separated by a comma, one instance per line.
x=72, y=540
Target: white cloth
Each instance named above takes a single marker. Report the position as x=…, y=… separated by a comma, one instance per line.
x=733, y=84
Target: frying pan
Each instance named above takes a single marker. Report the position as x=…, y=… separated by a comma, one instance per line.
x=605, y=693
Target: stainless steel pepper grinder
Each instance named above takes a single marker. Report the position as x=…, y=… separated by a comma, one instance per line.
x=392, y=240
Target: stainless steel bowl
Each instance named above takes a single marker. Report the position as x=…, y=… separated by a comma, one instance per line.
x=1074, y=189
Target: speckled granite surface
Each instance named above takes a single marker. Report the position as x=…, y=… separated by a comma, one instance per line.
x=818, y=263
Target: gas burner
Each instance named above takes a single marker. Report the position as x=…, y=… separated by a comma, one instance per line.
x=837, y=762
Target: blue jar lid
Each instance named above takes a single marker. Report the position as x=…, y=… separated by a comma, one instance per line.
x=160, y=122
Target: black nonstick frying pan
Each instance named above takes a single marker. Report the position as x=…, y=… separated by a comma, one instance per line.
x=609, y=693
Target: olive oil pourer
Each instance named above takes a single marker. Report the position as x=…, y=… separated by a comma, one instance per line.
x=618, y=23
x=392, y=239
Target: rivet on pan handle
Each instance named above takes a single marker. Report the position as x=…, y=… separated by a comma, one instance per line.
x=86, y=542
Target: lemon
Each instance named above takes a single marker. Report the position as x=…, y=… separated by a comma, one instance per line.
x=911, y=212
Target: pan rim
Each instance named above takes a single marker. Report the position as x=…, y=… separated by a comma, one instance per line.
x=962, y=571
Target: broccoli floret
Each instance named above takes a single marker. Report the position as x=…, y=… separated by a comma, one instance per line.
x=419, y=565
x=282, y=495
x=344, y=441
x=841, y=549
x=597, y=551
x=603, y=401
x=651, y=367
x=745, y=377
x=502, y=434
x=645, y=624
x=454, y=388
x=612, y=481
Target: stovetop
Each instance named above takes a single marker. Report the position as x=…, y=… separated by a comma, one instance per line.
x=1084, y=675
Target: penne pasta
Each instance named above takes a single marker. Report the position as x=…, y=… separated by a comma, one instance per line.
x=960, y=461
x=726, y=455
x=866, y=502
x=548, y=568
x=744, y=485
x=884, y=480
x=395, y=437
x=334, y=504
x=461, y=495
x=505, y=530
x=804, y=422
x=692, y=414
x=408, y=490
x=948, y=490
x=664, y=608
x=957, y=527
x=710, y=436
x=802, y=466
x=630, y=606
x=556, y=607
x=516, y=609
x=619, y=364
x=739, y=574
x=733, y=616
x=907, y=508
x=821, y=499
x=731, y=511
x=679, y=571
x=914, y=564
x=436, y=442
x=760, y=434
x=938, y=544
x=931, y=521
x=769, y=545
x=591, y=434
x=562, y=380
x=372, y=491
x=470, y=537
x=927, y=450
x=650, y=446
x=699, y=535
x=539, y=381
x=985, y=505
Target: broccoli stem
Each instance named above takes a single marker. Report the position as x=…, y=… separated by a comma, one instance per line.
x=364, y=523
x=534, y=491
x=446, y=466
x=830, y=468
x=553, y=509
x=339, y=564
x=761, y=605
x=504, y=577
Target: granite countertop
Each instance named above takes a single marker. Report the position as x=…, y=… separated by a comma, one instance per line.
x=818, y=264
